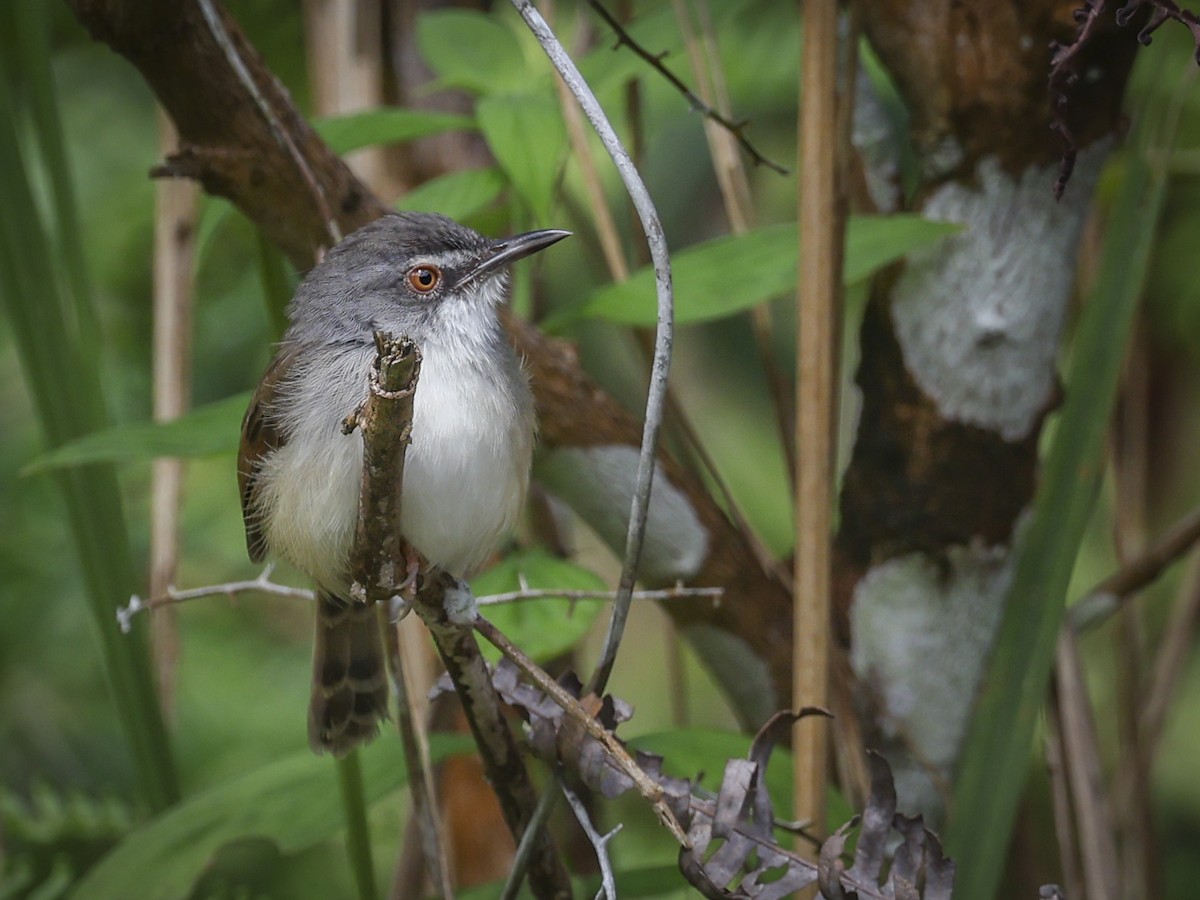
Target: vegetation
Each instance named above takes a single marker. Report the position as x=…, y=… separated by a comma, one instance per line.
x=1015, y=558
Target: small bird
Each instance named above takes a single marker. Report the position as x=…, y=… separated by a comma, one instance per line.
x=466, y=469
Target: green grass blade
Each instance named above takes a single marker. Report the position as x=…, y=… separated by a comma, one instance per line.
x=997, y=752
x=65, y=384
x=358, y=831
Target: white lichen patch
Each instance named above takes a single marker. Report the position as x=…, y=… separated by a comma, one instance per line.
x=979, y=316
x=598, y=483
x=920, y=636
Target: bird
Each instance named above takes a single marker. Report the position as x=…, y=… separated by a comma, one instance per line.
x=441, y=284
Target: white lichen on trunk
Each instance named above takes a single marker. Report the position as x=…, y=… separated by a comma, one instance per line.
x=921, y=632
x=979, y=317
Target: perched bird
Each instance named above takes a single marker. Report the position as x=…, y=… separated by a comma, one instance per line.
x=473, y=429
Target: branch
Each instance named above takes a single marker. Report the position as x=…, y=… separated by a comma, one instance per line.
x=261, y=585
x=1065, y=63
x=438, y=601
x=655, y=61
x=378, y=559
x=420, y=775
x=584, y=719
x=1105, y=598
x=599, y=843
x=674, y=593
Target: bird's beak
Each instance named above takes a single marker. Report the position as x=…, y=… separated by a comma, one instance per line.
x=506, y=251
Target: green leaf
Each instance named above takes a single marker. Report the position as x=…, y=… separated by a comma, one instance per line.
x=471, y=50
x=543, y=628
x=459, y=195
x=206, y=430
x=389, y=125
x=526, y=135
x=294, y=802
x=731, y=274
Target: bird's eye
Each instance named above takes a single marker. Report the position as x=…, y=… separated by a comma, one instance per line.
x=424, y=279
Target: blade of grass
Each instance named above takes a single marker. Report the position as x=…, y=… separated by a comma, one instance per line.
x=358, y=832
x=65, y=383
x=996, y=755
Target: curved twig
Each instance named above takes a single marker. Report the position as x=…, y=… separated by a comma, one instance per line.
x=663, y=334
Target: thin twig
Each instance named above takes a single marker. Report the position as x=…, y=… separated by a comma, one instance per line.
x=420, y=771
x=1170, y=663
x=735, y=196
x=663, y=337
x=1093, y=817
x=581, y=153
x=655, y=61
x=645, y=785
x=1060, y=793
x=520, y=863
x=608, y=881
x=674, y=593
x=261, y=585
x=1105, y=598
x=221, y=36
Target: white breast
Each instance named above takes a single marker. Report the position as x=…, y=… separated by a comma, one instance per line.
x=465, y=475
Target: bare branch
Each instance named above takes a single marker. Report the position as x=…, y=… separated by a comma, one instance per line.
x=580, y=716
x=674, y=593
x=1065, y=63
x=608, y=882
x=437, y=601
x=420, y=772
x=1105, y=598
x=520, y=863
x=655, y=61
x=217, y=27
x=260, y=585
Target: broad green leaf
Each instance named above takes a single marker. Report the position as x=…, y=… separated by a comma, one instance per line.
x=526, y=135
x=543, y=628
x=471, y=50
x=206, y=430
x=731, y=274
x=390, y=125
x=459, y=195
x=294, y=802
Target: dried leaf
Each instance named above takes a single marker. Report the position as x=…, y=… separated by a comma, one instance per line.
x=830, y=867
x=876, y=821
x=733, y=853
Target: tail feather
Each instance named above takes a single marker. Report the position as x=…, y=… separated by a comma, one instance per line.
x=350, y=689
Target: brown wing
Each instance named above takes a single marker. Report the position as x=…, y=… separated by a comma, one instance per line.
x=260, y=436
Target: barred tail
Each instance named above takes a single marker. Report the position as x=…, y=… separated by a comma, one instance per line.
x=350, y=688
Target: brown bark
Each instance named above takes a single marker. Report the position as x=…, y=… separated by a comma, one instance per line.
x=974, y=77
